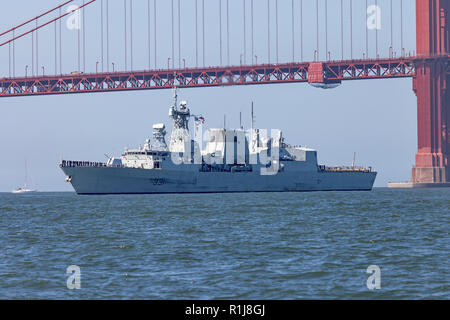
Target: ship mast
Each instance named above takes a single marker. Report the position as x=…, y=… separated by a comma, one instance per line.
x=26, y=174
x=180, y=118
x=240, y=120
x=253, y=118
x=354, y=159
x=175, y=97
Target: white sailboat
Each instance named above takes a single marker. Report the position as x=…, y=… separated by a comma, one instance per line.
x=25, y=188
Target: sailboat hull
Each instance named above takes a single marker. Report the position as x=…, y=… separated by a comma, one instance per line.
x=22, y=191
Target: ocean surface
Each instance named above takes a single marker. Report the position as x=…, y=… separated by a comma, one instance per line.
x=314, y=245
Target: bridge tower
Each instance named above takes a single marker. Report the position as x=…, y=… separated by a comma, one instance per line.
x=431, y=86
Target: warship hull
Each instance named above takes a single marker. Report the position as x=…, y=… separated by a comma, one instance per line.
x=112, y=180
x=223, y=160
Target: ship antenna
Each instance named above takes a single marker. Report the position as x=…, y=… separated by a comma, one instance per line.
x=354, y=158
x=175, y=96
x=240, y=120
x=253, y=117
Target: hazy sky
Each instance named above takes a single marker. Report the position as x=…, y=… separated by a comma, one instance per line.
x=376, y=119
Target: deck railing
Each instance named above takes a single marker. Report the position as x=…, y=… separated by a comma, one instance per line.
x=69, y=163
x=344, y=169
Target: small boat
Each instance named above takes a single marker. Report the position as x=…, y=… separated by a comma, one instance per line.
x=23, y=190
x=25, y=187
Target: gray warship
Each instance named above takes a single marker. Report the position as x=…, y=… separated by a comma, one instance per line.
x=218, y=161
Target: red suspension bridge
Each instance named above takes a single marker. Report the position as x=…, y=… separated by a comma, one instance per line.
x=428, y=65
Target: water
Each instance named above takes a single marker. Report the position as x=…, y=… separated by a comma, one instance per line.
x=227, y=246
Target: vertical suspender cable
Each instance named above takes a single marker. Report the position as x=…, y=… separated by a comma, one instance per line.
x=293, y=31
x=60, y=42
x=14, y=53
x=154, y=31
x=245, y=37
x=84, y=39
x=79, y=49
x=196, y=33
x=220, y=32
x=203, y=27
x=107, y=35
x=401, y=26
x=367, y=33
x=392, y=34
x=253, y=43
x=9, y=58
x=173, y=37
x=131, y=34
x=376, y=29
x=102, y=27
x=179, y=34
x=268, y=31
x=317, y=31
x=125, y=32
x=276, y=27
x=351, y=29
x=342, y=29
x=37, y=48
x=56, y=48
x=149, y=37
x=32, y=53
x=327, y=54
x=301, y=30
x=228, y=32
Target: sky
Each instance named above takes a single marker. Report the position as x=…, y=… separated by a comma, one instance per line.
x=377, y=119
